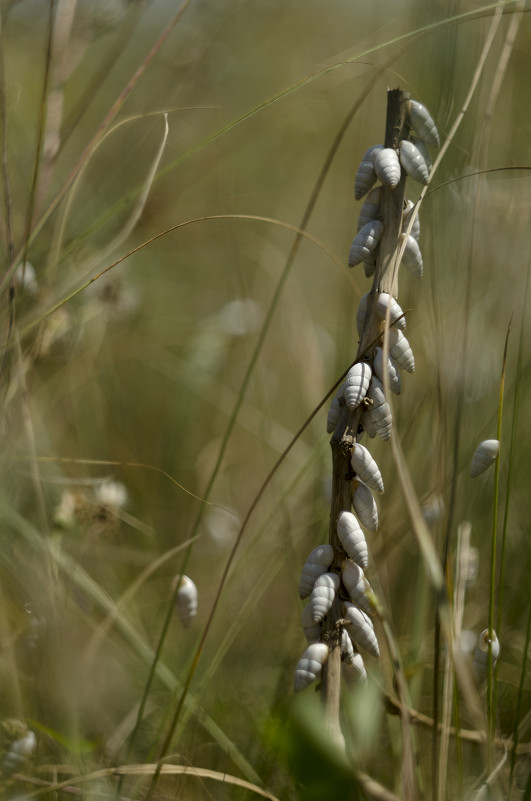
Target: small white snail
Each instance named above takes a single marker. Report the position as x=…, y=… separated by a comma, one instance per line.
x=357, y=384
x=413, y=162
x=361, y=629
x=387, y=167
x=186, y=601
x=365, y=505
x=356, y=584
x=310, y=665
x=370, y=210
x=396, y=315
x=400, y=350
x=316, y=564
x=352, y=538
x=395, y=383
x=354, y=669
x=422, y=122
x=484, y=455
x=365, y=242
x=412, y=257
x=481, y=654
x=378, y=414
x=366, y=176
x=312, y=631
x=366, y=468
x=323, y=594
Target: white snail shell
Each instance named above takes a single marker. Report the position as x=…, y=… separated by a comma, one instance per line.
x=334, y=412
x=310, y=665
x=481, y=654
x=365, y=242
x=423, y=150
x=365, y=466
x=316, y=564
x=379, y=413
x=387, y=167
x=400, y=350
x=361, y=629
x=415, y=230
x=354, y=669
x=352, y=538
x=186, y=601
x=413, y=162
x=357, y=383
x=395, y=383
x=385, y=300
x=356, y=584
x=366, y=176
x=484, y=455
x=323, y=594
x=365, y=505
x=422, y=122
x=312, y=631
x=347, y=648
x=370, y=210
x=412, y=257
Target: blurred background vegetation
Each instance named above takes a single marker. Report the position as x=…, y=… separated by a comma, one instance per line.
x=142, y=370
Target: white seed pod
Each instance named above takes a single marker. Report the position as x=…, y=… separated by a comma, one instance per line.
x=400, y=351
x=312, y=631
x=422, y=122
x=357, y=384
x=356, y=584
x=316, y=564
x=361, y=630
x=395, y=383
x=365, y=242
x=370, y=210
x=423, y=150
x=484, y=455
x=412, y=257
x=186, y=601
x=385, y=300
x=366, y=176
x=310, y=665
x=354, y=670
x=481, y=655
x=412, y=161
x=387, y=167
x=365, y=505
x=415, y=230
x=323, y=594
x=366, y=468
x=352, y=538
x=379, y=413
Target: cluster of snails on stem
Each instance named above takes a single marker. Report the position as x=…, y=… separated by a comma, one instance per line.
x=337, y=620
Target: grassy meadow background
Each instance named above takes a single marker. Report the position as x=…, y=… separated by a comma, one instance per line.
x=185, y=363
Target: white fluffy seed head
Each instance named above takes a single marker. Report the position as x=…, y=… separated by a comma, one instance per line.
x=484, y=455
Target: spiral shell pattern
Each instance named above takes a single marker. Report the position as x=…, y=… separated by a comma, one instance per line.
x=422, y=122
x=387, y=167
x=352, y=538
x=484, y=455
x=316, y=564
x=310, y=665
